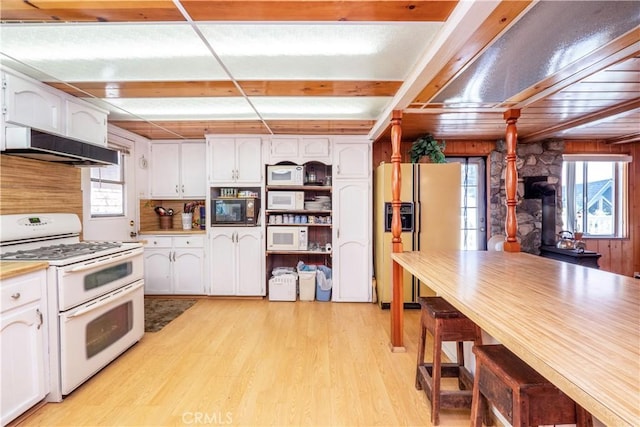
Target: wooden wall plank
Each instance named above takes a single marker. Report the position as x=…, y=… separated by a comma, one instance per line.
x=34, y=186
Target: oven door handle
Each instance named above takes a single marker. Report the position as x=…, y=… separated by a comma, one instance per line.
x=107, y=299
x=111, y=260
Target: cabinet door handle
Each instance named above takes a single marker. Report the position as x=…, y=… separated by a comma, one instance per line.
x=16, y=295
x=39, y=313
x=338, y=168
x=183, y=188
x=177, y=188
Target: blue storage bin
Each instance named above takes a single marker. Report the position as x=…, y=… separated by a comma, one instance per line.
x=322, y=295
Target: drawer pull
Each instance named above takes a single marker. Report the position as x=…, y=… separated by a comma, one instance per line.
x=16, y=295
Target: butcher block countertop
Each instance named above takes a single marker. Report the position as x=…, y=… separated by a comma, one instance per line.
x=577, y=326
x=10, y=269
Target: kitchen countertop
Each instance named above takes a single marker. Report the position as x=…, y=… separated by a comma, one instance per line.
x=171, y=231
x=576, y=326
x=10, y=269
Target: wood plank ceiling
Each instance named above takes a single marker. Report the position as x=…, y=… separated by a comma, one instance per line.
x=595, y=96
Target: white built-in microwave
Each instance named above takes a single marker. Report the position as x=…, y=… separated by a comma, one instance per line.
x=286, y=200
x=287, y=238
x=285, y=175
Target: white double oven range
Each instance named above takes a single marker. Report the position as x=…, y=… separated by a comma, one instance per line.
x=95, y=295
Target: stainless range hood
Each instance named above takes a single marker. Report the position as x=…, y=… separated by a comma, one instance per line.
x=27, y=142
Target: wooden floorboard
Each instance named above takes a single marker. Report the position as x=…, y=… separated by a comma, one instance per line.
x=254, y=363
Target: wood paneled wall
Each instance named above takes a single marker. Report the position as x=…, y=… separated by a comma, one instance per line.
x=620, y=256
x=34, y=186
x=382, y=150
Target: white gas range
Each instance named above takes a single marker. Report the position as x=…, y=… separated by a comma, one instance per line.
x=95, y=297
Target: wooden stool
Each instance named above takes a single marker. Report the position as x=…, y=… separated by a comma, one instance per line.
x=445, y=323
x=521, y=395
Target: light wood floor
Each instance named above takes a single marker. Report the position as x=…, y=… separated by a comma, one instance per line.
x=254, y=362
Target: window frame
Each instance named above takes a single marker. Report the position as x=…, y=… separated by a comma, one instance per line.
x=121, y=182
x=619, y=191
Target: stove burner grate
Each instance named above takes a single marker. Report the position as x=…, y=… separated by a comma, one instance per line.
x=58, y=252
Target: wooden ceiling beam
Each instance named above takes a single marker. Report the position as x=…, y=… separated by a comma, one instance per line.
x=304, y=10
x=223, y=88
x=231, y=10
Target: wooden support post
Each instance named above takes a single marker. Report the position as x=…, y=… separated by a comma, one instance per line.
x=397, y=314
x=511, y=181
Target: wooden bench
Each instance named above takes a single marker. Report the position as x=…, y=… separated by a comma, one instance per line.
x=445, y=323
x=519, y=393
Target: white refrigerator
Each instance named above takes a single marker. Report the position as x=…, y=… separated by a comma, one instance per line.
x=430, y=216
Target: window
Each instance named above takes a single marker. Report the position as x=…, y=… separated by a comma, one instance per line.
x=473, y=206
x=107, y=189
x=594, y=194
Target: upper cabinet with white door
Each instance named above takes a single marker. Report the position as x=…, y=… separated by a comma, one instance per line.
x=352, y=158
x=300, y=149
x=178, y=170
x=27, y=102
x=85, y=123
x=235, y=160
x=30, y=103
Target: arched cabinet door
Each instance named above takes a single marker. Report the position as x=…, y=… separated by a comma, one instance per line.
x=351, y=160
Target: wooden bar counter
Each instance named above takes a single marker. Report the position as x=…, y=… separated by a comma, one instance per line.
x=579, y=327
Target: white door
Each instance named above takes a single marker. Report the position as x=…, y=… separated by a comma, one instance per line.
x=249, y=160
x=251, y=278
x=22, y=361
x=222, y=162
x=352, y=241
x=157, y=271
x=223, y=260
x=193, y=169
x=351, y=160
x=188, y=271
x=165, y=170
x=117, y=227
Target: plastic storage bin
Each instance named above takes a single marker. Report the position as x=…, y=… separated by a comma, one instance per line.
x=307, y=285
x=283, y=288
x=322, y=295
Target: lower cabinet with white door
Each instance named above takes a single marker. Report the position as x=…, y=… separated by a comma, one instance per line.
x=237, y=261
x=175, y=265
x=24, y=345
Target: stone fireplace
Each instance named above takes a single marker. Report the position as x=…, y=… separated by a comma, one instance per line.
x=536, y=162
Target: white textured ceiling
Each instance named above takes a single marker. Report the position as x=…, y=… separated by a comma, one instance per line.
x=227, y=51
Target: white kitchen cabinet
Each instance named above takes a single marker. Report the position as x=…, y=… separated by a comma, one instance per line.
x=351, y=159
x=23, y=343
x=32, y=104
x=235, y=160
x=300, y=150
x=352, y=241
x=178, y=170
x=86, y=123
x=237, y=261
x=175, y=265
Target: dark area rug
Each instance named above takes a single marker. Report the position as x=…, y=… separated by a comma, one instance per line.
x=158, y=312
